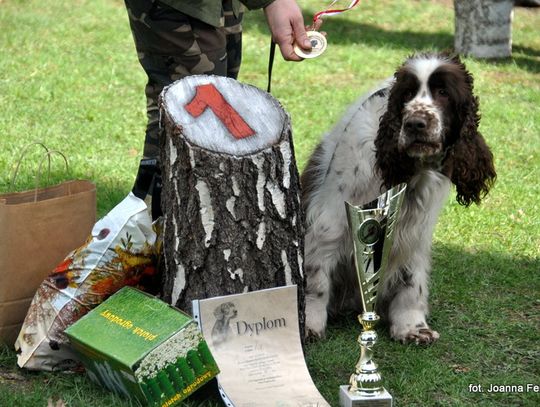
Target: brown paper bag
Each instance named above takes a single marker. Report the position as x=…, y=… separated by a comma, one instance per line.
x=38, y=228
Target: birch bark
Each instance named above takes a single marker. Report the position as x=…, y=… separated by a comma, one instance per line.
x=233, y=220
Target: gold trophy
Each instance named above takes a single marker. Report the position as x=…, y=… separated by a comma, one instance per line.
x=372, y=229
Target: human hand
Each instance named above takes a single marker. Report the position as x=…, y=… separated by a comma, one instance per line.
x=287, y=26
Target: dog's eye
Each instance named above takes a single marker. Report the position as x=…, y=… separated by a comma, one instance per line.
x=442, y=92
x=408, y=95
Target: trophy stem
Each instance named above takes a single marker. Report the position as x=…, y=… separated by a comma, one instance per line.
x=366, y=380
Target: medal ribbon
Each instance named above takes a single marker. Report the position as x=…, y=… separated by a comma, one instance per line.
x=332, y=12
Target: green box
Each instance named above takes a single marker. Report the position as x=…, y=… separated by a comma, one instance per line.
x=140, y=347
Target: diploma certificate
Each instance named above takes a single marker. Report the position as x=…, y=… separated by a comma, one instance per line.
x=255, y=340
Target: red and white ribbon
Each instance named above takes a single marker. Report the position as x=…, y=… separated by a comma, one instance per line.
x=331, y=12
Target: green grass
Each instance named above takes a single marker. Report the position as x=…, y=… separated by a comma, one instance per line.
x=69, y=77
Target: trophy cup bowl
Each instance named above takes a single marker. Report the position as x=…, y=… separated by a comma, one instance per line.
x=372, y=230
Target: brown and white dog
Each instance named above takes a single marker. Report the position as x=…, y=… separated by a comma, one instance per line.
x=419, y=127
x=221, y=330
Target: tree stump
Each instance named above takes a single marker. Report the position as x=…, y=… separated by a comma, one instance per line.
x=483, y=28
x=233, y=220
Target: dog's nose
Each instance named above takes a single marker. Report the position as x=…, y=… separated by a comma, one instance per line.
x=416, y=124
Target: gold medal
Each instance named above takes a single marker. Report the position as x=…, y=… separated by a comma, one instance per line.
x=318, y=45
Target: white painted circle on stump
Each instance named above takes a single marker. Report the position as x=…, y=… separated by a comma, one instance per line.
x=262, y=113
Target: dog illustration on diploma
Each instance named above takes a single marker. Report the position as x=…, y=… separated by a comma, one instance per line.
x=221, y=329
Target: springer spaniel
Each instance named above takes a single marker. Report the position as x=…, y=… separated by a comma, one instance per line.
x=421, y=128
x=221, y=331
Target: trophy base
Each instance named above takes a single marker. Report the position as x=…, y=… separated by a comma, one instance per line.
x=346, y=399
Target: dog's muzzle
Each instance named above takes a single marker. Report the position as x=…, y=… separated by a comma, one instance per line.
x=421, y=132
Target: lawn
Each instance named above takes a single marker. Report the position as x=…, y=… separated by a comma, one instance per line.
x=69, y=77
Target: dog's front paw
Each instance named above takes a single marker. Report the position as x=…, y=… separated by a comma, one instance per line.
x=421, y=334
x=314, y=329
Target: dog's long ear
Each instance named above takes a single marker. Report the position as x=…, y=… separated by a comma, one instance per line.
x=393, y=167
x=469, y=163
x=218, y=312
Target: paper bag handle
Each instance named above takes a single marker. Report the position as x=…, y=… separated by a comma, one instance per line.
x=20, y=160
x=47, y=155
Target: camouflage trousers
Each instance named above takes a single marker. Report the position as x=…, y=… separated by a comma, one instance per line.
x=172, y=45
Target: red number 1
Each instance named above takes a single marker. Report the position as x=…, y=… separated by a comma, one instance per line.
x=208, y=96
